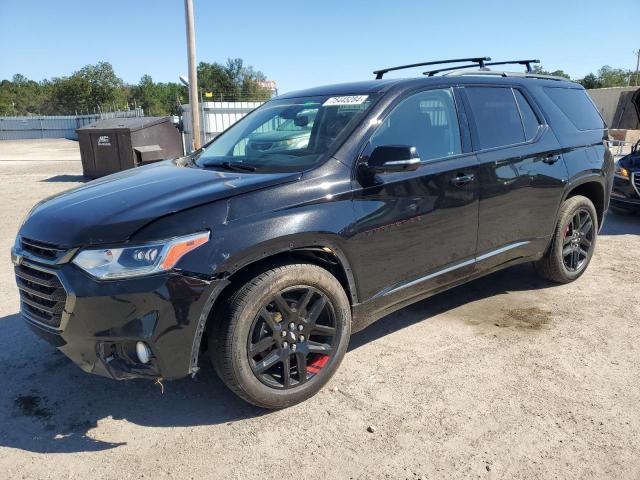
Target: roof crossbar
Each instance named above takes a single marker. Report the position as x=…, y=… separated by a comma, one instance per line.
x=526, y=63
x=509, y=74
x=478, y=62
x=431, y=73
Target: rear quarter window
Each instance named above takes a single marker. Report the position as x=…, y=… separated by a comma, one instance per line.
x=576, y=106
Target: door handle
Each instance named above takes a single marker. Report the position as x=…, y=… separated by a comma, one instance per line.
x=551, y=159
x=461, y=180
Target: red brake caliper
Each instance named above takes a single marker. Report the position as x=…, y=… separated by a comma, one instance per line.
x=319, y=362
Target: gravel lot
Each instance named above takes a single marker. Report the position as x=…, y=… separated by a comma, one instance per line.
x=506, y=377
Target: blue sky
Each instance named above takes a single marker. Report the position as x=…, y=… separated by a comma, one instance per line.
x=301, y=44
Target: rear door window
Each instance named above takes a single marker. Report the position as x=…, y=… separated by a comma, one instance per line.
x=577, y=107
x=530, y=120
x=496, y=116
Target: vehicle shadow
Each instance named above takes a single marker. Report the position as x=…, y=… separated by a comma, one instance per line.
x=67, y=178
x=520, y=277
x=48, y=405
x=616, y=224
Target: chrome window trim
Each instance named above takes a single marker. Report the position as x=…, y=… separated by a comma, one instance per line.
x=466, y=263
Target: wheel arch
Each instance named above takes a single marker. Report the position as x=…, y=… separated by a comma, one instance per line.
x=330, y=258
x=326, y=254
x=591, y=187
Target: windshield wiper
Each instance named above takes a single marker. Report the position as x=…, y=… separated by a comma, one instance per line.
x=236, y=166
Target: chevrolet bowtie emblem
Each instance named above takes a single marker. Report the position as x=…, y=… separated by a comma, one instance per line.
x=16, y=259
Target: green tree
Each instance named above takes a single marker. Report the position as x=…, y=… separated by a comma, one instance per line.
x=613, y=77
x=556, y=73
x=233, y=81
x=90, y=89
x=590, y=81
x=106, y=86
x=21, y=96
x=607, y=77
x=6, y=98
x=96, y=88
x=157, y=99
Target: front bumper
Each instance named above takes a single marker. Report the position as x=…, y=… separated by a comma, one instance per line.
x=103, y=320
x=626, y=193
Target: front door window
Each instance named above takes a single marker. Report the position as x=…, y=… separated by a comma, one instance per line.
x=427, y=121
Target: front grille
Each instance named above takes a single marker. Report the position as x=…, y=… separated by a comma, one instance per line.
x=42, y=295
x=43, y=250
x=635, y=178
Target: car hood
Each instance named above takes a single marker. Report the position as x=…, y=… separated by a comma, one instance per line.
x=631, y=161
x=111, y=209
x=277, y=136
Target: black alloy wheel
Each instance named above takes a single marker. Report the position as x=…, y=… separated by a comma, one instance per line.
x=578, y=240
x=573, y=242
x=280, y=335
x=292, y=338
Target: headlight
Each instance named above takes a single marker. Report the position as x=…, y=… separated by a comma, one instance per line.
x=139, y=260
x=621, y=172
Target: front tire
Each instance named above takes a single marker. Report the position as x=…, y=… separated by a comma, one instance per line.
x=283, y=335
x=573, y=242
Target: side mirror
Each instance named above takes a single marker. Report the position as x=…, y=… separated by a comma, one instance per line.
x=393, y=158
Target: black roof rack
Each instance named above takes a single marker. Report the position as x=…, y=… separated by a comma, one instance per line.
x=431, y=73
x=478, y=62
x=510, y=74
x=527, y=63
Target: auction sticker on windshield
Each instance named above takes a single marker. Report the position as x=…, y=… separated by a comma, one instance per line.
x=345, y=100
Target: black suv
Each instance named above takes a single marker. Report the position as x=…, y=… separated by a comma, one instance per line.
x=267, y=260
x=625, y=196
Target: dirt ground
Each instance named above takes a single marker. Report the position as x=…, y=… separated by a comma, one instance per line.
x=505, y=377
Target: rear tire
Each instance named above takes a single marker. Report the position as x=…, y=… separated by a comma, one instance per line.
x=282, y=336
x=573, y=242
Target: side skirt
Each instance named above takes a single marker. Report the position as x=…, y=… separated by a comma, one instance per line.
x=396, y=298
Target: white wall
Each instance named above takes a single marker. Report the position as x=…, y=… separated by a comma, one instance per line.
x=607, y=99
x=215, y=117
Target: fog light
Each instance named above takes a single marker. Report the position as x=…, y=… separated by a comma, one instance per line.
x=143, y=352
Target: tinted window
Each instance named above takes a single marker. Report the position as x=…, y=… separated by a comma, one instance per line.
x=529, y=118
x=577, y=106
x=496, y=116
x=427, y=121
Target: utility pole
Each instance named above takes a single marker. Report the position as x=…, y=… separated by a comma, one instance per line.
x=193, y=77
x=637, y=52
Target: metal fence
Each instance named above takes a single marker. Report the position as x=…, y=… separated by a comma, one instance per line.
x=620, y=148
x=61, y=126
x=215, y=117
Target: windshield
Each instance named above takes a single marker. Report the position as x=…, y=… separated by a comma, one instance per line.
x=295, y=125
x=292, y=134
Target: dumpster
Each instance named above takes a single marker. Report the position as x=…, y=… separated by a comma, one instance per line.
x=115, y=144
